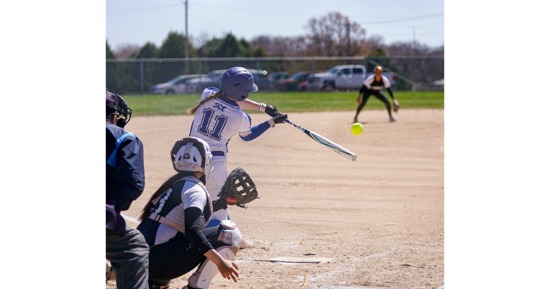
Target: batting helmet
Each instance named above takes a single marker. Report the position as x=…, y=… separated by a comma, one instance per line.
x=238, y=82
x=192, y=154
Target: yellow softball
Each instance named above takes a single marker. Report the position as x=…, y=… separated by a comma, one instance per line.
x=357, y=128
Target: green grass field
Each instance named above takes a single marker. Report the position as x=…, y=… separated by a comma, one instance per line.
x=286, y=102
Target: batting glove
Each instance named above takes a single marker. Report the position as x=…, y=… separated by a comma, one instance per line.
x=269, y=109
x=278, y=119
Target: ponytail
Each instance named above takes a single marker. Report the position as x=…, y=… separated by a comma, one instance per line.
x=215, y=95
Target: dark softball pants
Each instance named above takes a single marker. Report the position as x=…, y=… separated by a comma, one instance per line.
x=129, y=256
x=378, y=94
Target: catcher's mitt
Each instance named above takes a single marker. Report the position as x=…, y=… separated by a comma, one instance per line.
x=239, y=189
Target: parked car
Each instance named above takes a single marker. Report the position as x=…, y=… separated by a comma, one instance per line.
x=345, y=77
x=176, y=85
x=297, y=82
x=273, y=77
x=197, y=85
x=261, y=79
x=339, y=77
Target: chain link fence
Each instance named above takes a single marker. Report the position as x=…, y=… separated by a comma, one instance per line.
x=139, y=75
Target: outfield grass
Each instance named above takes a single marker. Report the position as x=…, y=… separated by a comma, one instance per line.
x=286, y=102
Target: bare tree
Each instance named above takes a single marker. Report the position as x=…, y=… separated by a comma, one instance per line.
x=281, y=46
x=375, y=44
x=335, y=35
x=200, y=40
x=127, y=51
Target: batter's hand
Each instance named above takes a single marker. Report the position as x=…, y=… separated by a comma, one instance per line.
x=280, y=118
x=269, y=109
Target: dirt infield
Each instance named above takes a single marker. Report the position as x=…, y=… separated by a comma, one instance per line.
x=378, y=220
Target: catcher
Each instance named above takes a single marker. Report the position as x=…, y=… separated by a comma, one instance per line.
x=173, y=220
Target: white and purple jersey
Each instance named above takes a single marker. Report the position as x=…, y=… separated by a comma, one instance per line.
x=218, y=120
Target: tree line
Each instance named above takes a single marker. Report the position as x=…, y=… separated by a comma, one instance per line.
x=331, y=35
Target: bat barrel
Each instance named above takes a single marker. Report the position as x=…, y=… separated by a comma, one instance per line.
x=325, y=142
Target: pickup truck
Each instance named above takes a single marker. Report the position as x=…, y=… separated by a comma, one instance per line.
x=343, y=77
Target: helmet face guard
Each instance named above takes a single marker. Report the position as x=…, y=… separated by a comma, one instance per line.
x=116, y=104
x=238, y=82
x=192, y=154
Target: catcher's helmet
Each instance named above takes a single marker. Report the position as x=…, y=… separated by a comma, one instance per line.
x=117, y=105
x=192, y=154
x=238, y=82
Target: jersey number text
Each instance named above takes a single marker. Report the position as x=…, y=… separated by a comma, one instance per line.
x=216, y=132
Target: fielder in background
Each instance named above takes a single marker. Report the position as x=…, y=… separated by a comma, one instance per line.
x=173, y=223
x=126, y=248
x=373, y=85
x=219, y=117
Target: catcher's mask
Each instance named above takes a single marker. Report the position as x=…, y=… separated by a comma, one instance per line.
x=192, y=154
x=237, y=82
x=117, y=105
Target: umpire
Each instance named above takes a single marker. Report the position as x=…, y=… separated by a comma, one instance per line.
x=126, y=248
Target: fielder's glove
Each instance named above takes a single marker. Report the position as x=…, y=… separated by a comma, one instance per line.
x=395, y=105
x=239, y=189
x=269, y=109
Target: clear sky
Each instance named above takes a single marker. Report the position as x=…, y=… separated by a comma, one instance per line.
x=141, y=21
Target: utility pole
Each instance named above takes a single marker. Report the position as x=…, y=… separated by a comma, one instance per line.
x=186, y=41
x=414, y=39
x=348, y=36
x=186, y=34
x=422, y=63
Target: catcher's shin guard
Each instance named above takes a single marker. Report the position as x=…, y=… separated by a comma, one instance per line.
x=229, y=233
x=208, y=270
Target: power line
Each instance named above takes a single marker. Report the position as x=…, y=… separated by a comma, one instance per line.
x=141, y=9
x=204, y=5
x=402, y=20
x=210, y=6
x=268, y=12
